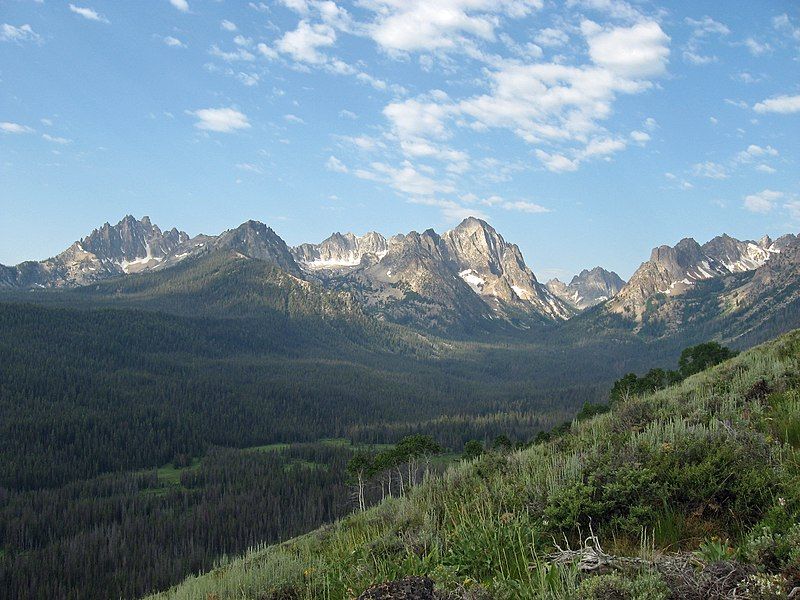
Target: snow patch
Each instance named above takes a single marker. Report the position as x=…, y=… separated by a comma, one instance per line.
x=475, y=281
x=523, y=294
x=141, y=263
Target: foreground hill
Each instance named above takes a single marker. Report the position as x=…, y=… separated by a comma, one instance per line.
x=691, y=492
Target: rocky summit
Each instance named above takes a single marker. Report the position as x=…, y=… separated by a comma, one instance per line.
x=588, y=288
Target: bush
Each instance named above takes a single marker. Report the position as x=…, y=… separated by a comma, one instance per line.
x=646, y=586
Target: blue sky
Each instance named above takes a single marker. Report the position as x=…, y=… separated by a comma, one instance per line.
x=586, y=131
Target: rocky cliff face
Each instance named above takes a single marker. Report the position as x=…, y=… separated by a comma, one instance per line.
x=467, y=275
x=253, y=239
x=130, y=246
x=341, y=251
x=588, y=288
x=672, y=271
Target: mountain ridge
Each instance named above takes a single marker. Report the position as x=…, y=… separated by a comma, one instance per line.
x=467, y=278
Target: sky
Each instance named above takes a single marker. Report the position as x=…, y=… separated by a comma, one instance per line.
x=585, y=131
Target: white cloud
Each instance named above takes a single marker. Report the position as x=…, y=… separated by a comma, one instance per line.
x=557, y=163
x=88, y=13
x=710, y=169
x=544, y=103
x=451, y=210
x=23, y=33
x=421, y=25
x=698, y=59
x=248, y=79
x=250, y=168
x=335, y=165
x=240, y=54
x=757, y=48
x=55, y=139
x=619, y=9
x=785, y=24
x=779, y=104
x=7, y=127
x=174, y=42
x=415, y=118
x=266, y=51
x=793, y=208
x=228, y=25
x=551, y=36
x=524, y=206
x=603, y=146
x=299, y=6
x=181, y=5
x=638, y=51
x=348, y=114
x=762, y=202
x=766, y=169
x=707, y=25
x=293, y=119
x=303, y=43
x=754, y=151
x=406, y=179
x=640, y=137
x=224, y=120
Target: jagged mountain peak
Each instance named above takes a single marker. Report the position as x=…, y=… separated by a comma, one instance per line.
x=341, y=251
x=673, y=270
x=254, y=239
x=587, y=288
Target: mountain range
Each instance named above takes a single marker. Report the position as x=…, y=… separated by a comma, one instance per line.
x=465, y=279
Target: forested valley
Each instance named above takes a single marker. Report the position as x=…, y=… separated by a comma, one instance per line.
x=149, y=426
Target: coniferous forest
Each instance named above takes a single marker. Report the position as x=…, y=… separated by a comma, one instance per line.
x=145, y=444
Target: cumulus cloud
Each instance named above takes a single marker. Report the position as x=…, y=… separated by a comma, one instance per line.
x=550, y=36
x=524, y=206
x=779, y=104
x=181, y=5
x=174, y=42
x=250, y=168
x=88, y=13
x=638, y=51
x=335, y=165
x=228, y=25
x=7, y=127
x=762, y=202
x=557, y=163
x=304, y=42
x=710, y=170
x=23, y=33
x=240, y=54
x=451, y=210
x=757, y=48
x=706, y=26
x=56, y=139
x=223, y=120
x=785, y=24
x=407, y=179
x=753, y=152
x=421, y=25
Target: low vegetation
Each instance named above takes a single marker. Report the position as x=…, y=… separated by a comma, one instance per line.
x=692, y=491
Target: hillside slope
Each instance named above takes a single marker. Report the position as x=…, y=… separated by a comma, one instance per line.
x=697, y=485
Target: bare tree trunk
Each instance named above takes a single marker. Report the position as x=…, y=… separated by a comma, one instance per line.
x=400, y=475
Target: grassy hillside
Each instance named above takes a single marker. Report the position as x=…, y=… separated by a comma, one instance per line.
x=691, y=492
